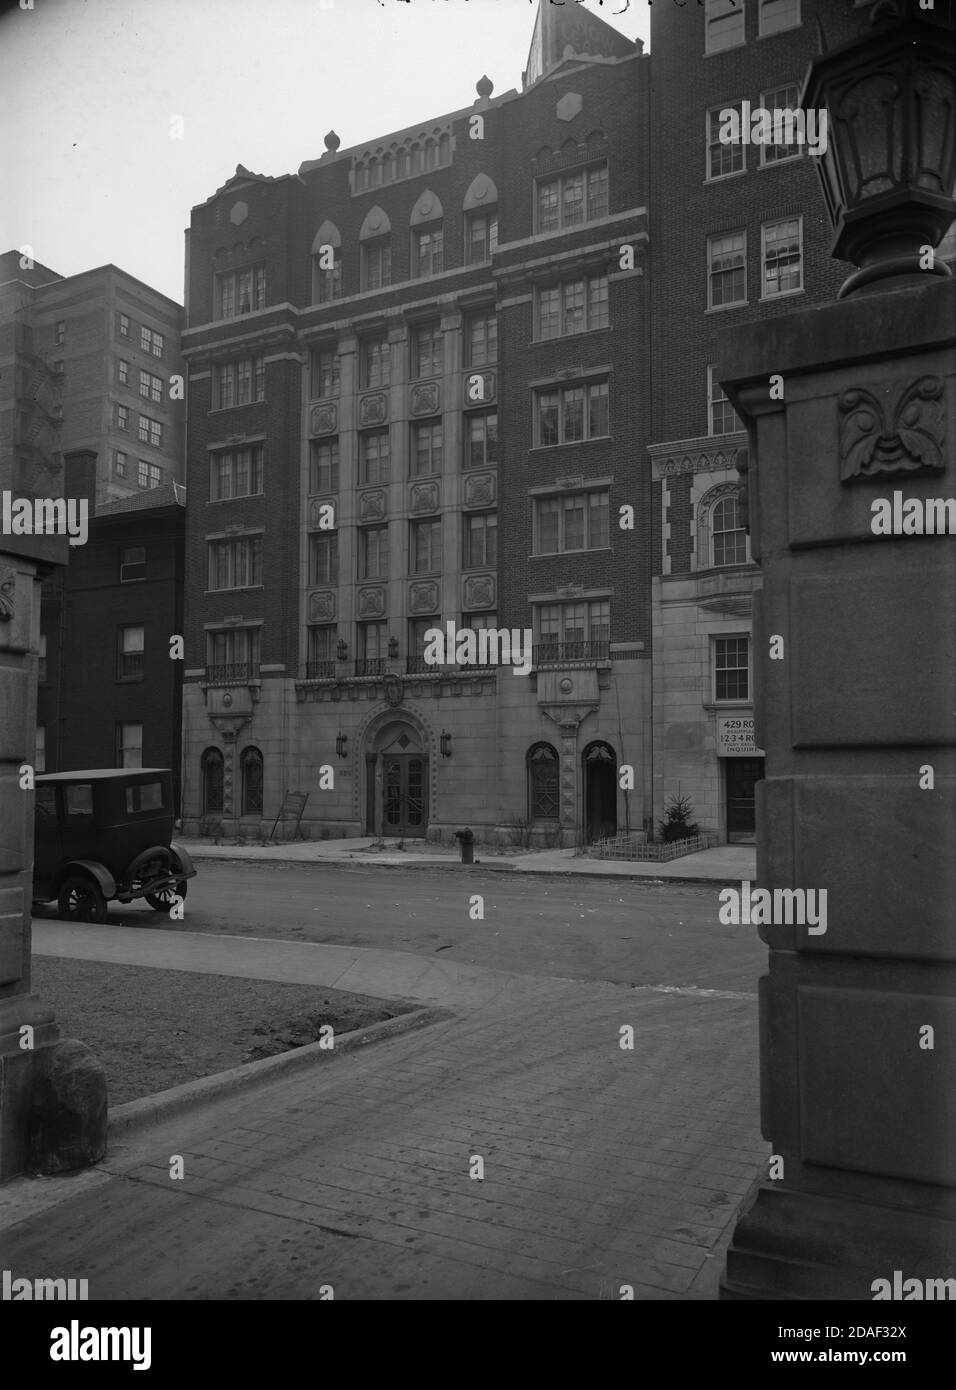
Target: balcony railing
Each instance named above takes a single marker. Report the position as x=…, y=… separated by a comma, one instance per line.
x=320, y=670
x=233, y=671
x=371, y=666
x=571, y=653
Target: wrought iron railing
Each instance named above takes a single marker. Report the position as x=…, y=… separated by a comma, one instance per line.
x=233, y=671
x=571, y=653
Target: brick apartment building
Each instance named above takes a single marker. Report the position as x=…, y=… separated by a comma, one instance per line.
x=437, y=336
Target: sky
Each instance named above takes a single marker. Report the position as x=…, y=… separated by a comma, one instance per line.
x=90, y=91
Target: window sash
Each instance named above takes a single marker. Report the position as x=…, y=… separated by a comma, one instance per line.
x=482, y=340
x=574, y=198
x=378, y=264
x=426, y=546
x=427, y=449
x=723, y=159
x=573, y=414
x=323, y=558
x=572, y=521
x=236, y=564
x=727, y=269
x=428, y=352
x=782, y=257
x=373, y=552
x=374, y=457
x=429, y=252
x=324, y=466
x=325, y=374
x=377, y=363
x=482, y=440
x=731, y=668
x=481, y=540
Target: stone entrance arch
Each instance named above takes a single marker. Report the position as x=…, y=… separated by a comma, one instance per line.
x=397, y=799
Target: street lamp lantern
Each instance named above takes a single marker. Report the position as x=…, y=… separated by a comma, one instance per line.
x=888, y=169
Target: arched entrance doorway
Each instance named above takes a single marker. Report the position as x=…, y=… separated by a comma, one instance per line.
x=397, y=781
x=600, y=792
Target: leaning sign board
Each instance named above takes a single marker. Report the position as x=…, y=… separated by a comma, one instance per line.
x=735, y=738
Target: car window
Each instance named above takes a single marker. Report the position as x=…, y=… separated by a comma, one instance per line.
x=46, y=805
x=144, y=796
x=79, y=800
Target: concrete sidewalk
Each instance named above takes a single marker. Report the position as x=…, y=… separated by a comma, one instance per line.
x=722, y=864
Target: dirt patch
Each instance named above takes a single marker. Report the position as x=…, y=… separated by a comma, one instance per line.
x=153, y=1029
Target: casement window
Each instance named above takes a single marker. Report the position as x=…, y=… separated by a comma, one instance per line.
x=373, y=552
x=122, y=417
x=724, y=159
x=235, y=563
x=726, y=270
x=323, y=557
x=781, y=99
x=427, y=351
x=240, y=292
x=571, y=521
x=427, y=449
x=119, y=463
x=154, y=475
x=211, y=777
x=142, y=472
x=541, y=764
x=325, y=374
x=150, y=432
x=782, y=257
x=427, y=251
x=321, y=656
x=132, y=564
x=722, y=418
x=372, y=648
x=151, y=341
x=236, y=473
x=481, y=236
x=481, y=439
x=417, y=627
x=774, y=16
x=424, y=550
x=131, y=649
x=374, y=456
x=728, y=537
x=327, y=282
x=123, y=373
x=124, y=325
x=575, y=306
x=480, y=540
x=251, y=776
x=150, y=387
x=724, y=25
x=233, y=651
x=573, y=630
x=376, y=362
x=570, y=414
x=324, y=465
x=241, y=383
x=731, y=668
x=481, y=340
x=129, y=745
x=376, y=263
x=572, y=199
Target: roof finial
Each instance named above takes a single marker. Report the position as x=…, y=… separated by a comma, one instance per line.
x=332, y=142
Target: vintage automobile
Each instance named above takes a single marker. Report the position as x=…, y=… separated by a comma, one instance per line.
x=104, y=835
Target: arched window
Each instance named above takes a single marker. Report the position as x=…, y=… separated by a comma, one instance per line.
x=428, y=250
x=326, y=276
x=211, y=768
x=375, y=238
x=481, y=220
x=728, y=537
x=251, y=768
x=542, y=765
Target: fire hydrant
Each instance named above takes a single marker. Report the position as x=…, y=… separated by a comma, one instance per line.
x=467, y=840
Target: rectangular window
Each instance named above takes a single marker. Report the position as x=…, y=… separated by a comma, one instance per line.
x=132, y=644
x=417, y=627
x=724, y=159
x=427, y=351
x=782, y=99
x=723, y=24
x=782, y=270
x=142, y=472
x=573, y=199
x=129, y=745
x=158, y=344
x=233, y=651
x=155, y=475
x=376, y=264
x=573, y=631
x=573, y=413
x=328, y=282
x=481, y=236
x=376, y=362
x=427, y=448
x=240, y=292
x=774, y=16
x=480, y=540
x=324, y=465
x=150, y=387
x=372, y=648
x=729, y=537
x=150, y=432
x=572, y=521
x=122, y=417
x=481, y=439
x=123, y=373
x=41, y=661
x=573, y=307
x=427, y=251
x=731, y=668
x=323, y=557
x=236, y=563
x=726, y=270
x=325, y=374
x=236, y=473
x=373, y=552
x=424, y=549
x=240, y=383
x=39, y=757
x=322, y=654
x=723, y=419
x=124, y=325
x=119, y=463
x=481, y=340
x=374, y=456
x=60, y=335
x=145, y=339
x=132, y=564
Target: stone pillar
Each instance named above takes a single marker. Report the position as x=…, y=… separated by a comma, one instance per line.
x=858, y=719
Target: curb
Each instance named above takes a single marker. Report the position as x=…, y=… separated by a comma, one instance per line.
x=136, y=1115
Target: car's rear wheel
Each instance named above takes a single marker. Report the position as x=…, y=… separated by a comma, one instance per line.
x=166, y=897
x=81, y=899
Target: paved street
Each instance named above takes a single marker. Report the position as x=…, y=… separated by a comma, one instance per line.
x=602, y=1166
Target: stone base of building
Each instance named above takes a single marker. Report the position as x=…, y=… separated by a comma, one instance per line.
x=798, y=1245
